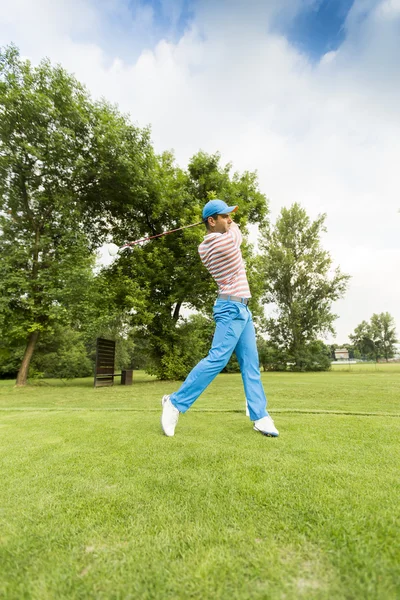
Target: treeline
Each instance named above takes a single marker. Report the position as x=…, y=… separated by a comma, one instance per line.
x=76, y=173
x=374, y=340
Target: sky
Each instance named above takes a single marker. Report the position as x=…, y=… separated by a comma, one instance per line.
x=305, y=92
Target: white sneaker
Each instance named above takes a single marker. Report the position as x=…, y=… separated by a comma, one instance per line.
x=266, y=426
x=169, y=417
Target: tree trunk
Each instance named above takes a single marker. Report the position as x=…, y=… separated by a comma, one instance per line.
x=24, y=368
x=34, y=336
x=176, y=311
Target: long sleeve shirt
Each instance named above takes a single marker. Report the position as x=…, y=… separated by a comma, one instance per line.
x=221, y=255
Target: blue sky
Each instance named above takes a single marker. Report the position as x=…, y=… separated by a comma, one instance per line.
x=320, y=28
x=166, y=15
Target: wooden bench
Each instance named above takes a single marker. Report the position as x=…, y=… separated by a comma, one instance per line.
x=105, y=365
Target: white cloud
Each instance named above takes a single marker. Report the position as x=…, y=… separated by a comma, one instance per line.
x=326, y=135
x=389, y=9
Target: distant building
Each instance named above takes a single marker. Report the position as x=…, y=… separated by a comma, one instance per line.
x=342, y=354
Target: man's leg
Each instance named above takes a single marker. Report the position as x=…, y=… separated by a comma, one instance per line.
x=247, y=355
x=230, y=320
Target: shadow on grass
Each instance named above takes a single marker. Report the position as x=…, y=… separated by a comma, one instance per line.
x=84, y=382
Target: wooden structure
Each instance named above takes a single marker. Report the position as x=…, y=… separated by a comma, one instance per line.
x=105, y=365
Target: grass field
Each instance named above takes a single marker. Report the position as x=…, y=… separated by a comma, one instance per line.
x=96, y=503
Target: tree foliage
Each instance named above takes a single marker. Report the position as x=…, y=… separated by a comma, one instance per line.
x=271, y=358
x=376, y=339
x=62, y=355
x=299, y=284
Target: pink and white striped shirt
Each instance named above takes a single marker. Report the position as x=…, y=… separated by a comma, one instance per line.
x=220, y=254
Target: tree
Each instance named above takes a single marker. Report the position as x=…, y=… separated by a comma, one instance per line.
x=353, y=353
x=377, y=338
x=41, y=280
x=299, y=284
x=69, y=168
x=168, y=270
x=383, y=331
x=362, y=340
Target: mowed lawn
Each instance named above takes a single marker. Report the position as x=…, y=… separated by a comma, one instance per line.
x=96, y=503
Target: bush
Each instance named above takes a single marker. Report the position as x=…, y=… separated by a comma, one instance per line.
x=316, y=356
x=271, y=358
x=183, y=349
x=64, y=356
x=10, y=361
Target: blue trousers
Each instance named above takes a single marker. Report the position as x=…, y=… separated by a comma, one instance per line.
x=234, y=332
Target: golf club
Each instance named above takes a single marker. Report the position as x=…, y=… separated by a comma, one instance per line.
x=113, y=249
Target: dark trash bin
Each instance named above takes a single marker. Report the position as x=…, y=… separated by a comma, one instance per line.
x=126, y=377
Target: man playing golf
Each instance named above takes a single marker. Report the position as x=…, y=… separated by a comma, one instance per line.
x=221, y=255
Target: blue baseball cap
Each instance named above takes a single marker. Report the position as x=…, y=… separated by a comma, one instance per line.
x=217, y=207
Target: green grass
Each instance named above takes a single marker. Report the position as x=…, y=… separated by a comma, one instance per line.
x=96, y=503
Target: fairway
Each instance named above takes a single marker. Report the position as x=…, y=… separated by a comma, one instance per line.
x=96, y=503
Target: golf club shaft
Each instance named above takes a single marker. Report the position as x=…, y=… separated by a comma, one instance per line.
x=159, y=235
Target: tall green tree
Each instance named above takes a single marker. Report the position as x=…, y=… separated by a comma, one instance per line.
x=42, y=284
x=384, y=336
x=168, y=270
x=298, y=284
x=69, y=169
x=376, y=339
x=362, y=340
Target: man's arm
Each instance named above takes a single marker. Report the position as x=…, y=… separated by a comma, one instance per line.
x=236, y=234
